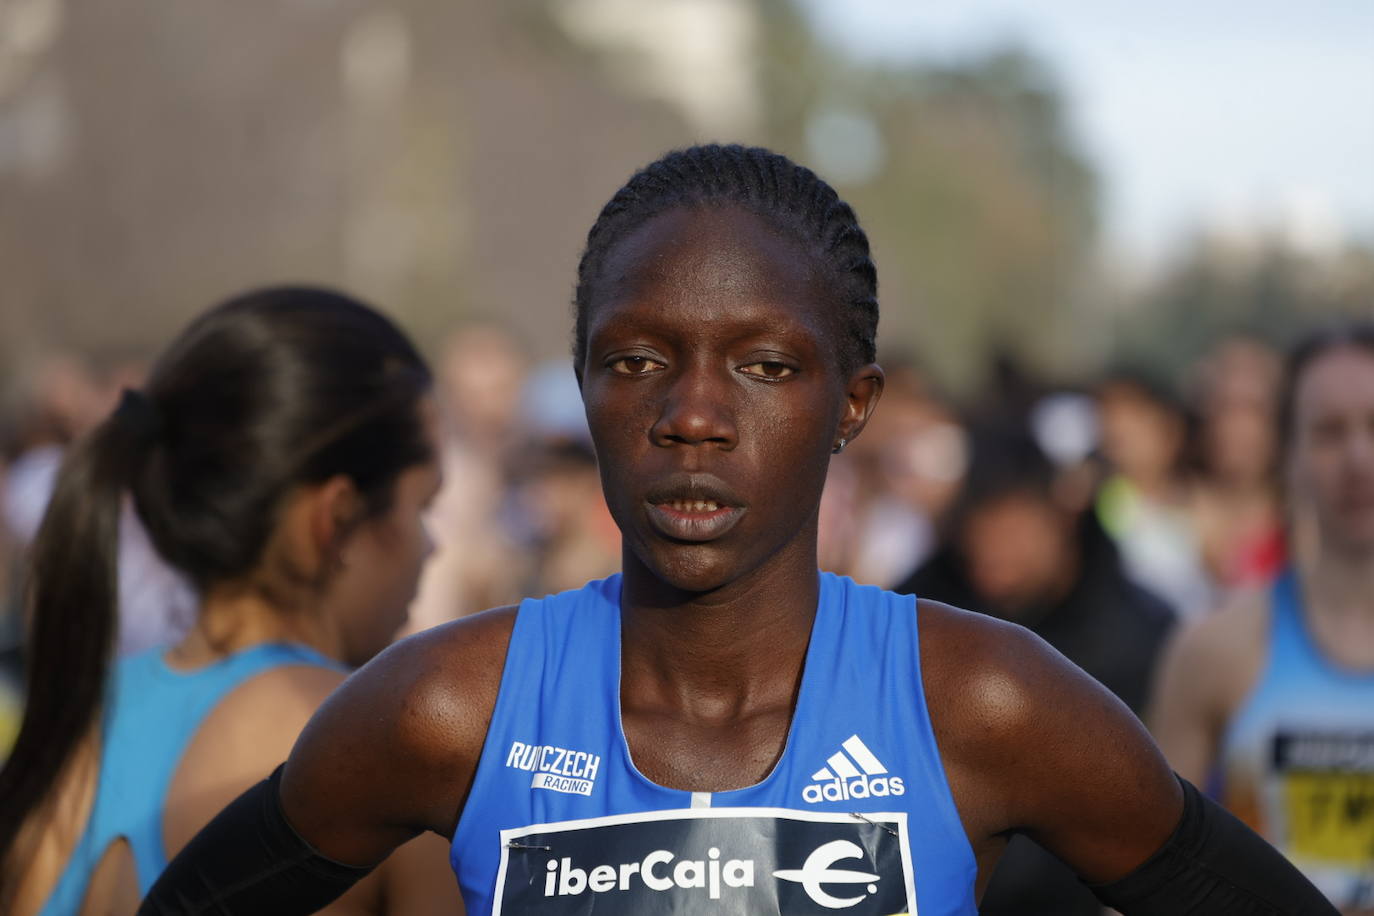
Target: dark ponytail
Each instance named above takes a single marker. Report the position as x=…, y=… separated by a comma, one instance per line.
x=71, y=621
x=266, y=392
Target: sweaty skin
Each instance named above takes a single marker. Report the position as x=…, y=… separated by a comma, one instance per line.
x=715, y=395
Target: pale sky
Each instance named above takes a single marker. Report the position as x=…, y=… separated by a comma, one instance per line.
x=1222, y=113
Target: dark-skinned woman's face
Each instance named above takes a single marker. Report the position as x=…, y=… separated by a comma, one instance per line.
x=715, y=394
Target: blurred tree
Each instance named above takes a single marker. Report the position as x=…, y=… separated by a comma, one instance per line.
x=1260, y=286
x=441, y=159
x=446, y=160
x=981, y=208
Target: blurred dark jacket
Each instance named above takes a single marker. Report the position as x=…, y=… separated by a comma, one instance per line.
x=1111, y=628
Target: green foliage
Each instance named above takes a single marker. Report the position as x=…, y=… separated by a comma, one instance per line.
x=983, y=210
x=1261, y=288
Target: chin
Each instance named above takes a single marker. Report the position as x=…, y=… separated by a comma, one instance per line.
x=689, y=568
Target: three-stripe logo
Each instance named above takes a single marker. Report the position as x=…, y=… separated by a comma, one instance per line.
x=852, y=772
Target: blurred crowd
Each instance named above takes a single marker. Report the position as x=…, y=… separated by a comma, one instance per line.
x=1097, y=515
x=1053, y=506
x=1006, y=504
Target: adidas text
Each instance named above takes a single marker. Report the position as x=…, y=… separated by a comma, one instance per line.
x=852, y=772
x=863, y=787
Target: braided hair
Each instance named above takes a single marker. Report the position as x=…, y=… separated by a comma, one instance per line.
x=790, y=197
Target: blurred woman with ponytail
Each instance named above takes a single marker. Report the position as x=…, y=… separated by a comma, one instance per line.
x=280, y=457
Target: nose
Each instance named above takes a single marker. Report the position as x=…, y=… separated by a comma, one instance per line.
x=696, y=409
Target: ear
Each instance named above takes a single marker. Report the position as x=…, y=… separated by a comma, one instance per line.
x=316, y=522
x=862, y=391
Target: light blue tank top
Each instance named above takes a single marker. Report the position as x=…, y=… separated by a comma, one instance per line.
x=151, y=714
x=1297, y=759
x=855, y=816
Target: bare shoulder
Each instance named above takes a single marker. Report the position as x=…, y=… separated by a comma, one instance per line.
x=436, y=688
x=291, y=692
x=398, y=742
x=1232, y=639
x=244, y=737
x=1215, y=660
x=1033, y=744
x=987, y=680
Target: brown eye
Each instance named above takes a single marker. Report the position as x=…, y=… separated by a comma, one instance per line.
x=769, y=369
x=634, y=365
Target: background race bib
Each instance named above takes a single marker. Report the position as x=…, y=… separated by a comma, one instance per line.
x=1327, y=794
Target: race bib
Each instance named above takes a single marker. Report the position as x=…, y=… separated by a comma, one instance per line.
x=741, y=861
x=1326, y=785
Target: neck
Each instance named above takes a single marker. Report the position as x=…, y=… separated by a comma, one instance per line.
x=237, y=617
x=718, y=654
x=1341, y=582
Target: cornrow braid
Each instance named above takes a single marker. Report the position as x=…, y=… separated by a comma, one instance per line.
x=790, y=197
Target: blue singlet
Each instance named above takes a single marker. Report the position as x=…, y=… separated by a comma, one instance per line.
x=856, y=816
x=1298, y=757
x=151, y=714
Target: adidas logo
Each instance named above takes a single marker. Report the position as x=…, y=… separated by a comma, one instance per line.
x=852, y=772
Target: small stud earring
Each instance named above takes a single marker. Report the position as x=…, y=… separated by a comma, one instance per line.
x=839, y=446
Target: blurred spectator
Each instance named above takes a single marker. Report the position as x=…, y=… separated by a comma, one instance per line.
x=1143, y=503
x=68, y=397
x=1235, y=499
x=480, y=377
x=886, y=490
x=1015, y=550
x=555, y=508
x=1272, y=698
x=570, y=535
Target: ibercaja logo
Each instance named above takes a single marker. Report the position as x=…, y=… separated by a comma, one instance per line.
x=709, y=860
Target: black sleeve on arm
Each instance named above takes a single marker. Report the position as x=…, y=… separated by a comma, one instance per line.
x=249, y=860
x=1214, y=865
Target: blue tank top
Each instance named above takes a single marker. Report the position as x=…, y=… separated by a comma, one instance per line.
x=1297, y=759
x=151, y=714
x=856, y=815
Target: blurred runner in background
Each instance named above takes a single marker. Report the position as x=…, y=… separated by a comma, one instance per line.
x=1273, y=697
x=281, y=456
x=1015, y=547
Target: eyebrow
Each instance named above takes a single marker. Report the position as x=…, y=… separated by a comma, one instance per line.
x=732, y=325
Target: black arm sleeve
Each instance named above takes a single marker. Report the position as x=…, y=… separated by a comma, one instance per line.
x=249, y=860
x=1214, y=865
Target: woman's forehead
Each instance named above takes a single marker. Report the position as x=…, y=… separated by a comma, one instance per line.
x=1340, y=377
x=722, y=250
x=710, y=264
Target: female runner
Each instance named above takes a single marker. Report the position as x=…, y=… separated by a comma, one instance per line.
x=280, y=457
x=1274, y=693
x=722, y=727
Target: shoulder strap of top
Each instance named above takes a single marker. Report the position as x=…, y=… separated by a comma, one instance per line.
x=152, y=713
x=153, y=718
x=1291, y=644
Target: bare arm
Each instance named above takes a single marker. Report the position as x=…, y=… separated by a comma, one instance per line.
x=394, y=750
x=1033, y=744
x=1206, y=671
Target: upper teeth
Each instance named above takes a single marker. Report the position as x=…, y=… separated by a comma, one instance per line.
x=694, y=505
